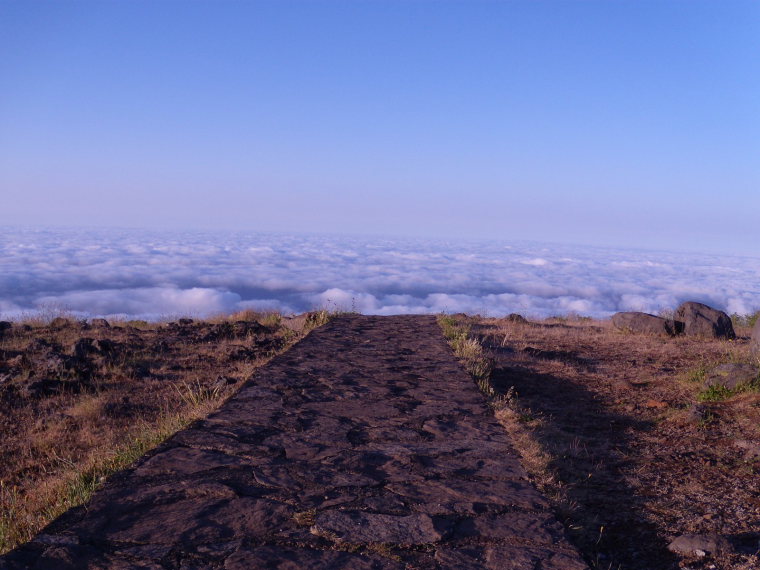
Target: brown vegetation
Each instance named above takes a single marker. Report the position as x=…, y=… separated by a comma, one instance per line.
x=617, y=429
x=79, y=401
x=621, y=434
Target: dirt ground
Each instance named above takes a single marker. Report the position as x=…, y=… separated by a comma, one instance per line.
x=611, y=428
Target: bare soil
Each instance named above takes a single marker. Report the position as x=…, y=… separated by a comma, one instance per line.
x=611, y=429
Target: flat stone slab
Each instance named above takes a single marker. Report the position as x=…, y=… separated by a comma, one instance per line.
x=367, y=445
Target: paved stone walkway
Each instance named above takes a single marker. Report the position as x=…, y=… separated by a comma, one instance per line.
x=366, y=446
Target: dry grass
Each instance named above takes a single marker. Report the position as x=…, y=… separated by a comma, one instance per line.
x=609, y=427
x=70, y=417
x=469, y=351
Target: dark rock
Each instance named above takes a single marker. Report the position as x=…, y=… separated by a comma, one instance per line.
x=506, y=557
x=701, y=413
x=222, y=382
x=140, y=370
x=40, y=345
x=60, y=323
x=41, y=388
x=515, y=318
x=512, y=525
x=358, y=527
x=104, y=346
x=746, y=542
x=100, y=324
x=731, y=375
x=696, y=319
x=186, y=321
x=700, y=545
x=236, y=330
x=4, y=327
x=287, y=557
x=296, y=323
x=641, y=323
x=243, y=329
x=83, y=348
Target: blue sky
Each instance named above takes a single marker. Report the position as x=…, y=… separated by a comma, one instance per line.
x=632, y=123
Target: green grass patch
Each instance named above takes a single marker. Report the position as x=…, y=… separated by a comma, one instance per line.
x=718, y=392
x=748, y=320
x=714, y=393
x=469, y=351
x=697, y=375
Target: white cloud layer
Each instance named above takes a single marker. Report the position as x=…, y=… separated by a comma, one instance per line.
x=151, y=275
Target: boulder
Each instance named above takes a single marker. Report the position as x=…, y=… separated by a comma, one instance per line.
x=82, y=348
x=641, y=323
x=100, y=324
x=700, y=545
x=60, y=323
x=85, y=347
x=696, y=319
x=731, y=375
x=5, y=326
x=516, y=318
x=295, y=323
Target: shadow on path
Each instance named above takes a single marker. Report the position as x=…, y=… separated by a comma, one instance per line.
x=587, y=443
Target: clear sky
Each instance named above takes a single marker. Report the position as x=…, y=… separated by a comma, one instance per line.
x=604, y=122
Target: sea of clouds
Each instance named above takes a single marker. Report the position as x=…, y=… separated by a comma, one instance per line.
x=153, y=275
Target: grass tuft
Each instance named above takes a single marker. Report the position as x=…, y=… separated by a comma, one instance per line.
x=196, y=394
x=718, y=392
x=697, y=375
x=470, y=352
x=714, y=393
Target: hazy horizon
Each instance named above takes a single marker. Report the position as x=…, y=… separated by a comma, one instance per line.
x=141, y=274
x=627, y=124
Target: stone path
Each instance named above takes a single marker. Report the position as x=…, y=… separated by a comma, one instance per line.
x=366, y=446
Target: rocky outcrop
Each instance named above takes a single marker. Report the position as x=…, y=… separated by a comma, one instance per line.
x=700, y=545
x=696, y=319
x=641, y=323
x=731, y=375
x=690, y=319
x=295, y=323
x=517, y=318
x=59, y=323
